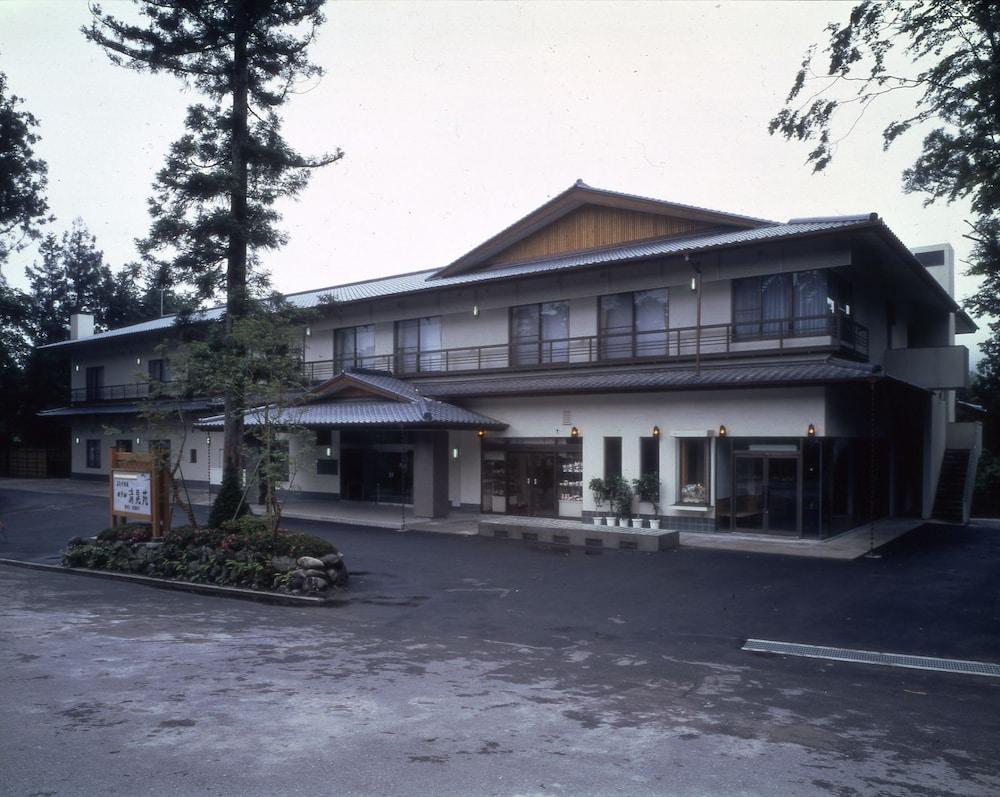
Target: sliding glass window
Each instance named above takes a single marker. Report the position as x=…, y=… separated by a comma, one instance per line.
x=418, y=345
x=775, y=305
x=633, y=324
x=539, y=333
x=354, y=347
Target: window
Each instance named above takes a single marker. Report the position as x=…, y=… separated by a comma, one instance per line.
x=649, y=456
x=124, y=445
x=775, y=305
x=633, y=324
x=539, y=333
x=194, y=456
x=93, y=453
x=612, y=457
x=157, y=371
x=354, y=347
x=95, y=384
x=692, y=471
x=418, y=344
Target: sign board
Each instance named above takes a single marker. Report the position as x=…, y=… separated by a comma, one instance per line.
x=140, y=489
x=132, y=493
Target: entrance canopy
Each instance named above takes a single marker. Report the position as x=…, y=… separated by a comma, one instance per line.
x=355, y=399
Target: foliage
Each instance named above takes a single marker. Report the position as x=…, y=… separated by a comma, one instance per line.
x=647, y=487
x=600, y=490
x=954, y=50
x=239, y=555
x=621, y=497
x=23, y=176
x=213, y=203
x=229, y=503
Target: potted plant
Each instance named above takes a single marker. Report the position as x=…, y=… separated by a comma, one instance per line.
x=647, y=487
x=601, y=493
x=621, y=500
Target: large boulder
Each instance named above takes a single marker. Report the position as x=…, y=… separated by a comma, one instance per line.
x=310, y=563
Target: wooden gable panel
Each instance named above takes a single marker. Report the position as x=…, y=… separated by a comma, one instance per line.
x=592, y=227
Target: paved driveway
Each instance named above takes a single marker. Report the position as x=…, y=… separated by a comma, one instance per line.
x=466, y=666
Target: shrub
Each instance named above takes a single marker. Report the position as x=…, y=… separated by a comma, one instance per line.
x=228, y=503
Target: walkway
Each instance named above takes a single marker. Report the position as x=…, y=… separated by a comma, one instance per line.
x=850, y=545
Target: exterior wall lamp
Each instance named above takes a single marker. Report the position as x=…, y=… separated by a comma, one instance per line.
x=475, y=310
x=656, y=432
x=77, y=440
x=811, y=431
x=722, y=430
x=309, y=332
x=138, y=360
x=574, y=432
x=77, y=367
x=481, y=434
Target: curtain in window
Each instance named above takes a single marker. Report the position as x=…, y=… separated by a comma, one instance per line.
x=811, y=312
x=616, y=325
x=364, y=345
x=650, y=322
x=408, y=344
x=430, y=344
x=746, y=307
x=774, y=295
x=524, y=331
x=554, y=323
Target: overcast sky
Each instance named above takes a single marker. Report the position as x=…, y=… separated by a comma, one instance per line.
x=459, y=118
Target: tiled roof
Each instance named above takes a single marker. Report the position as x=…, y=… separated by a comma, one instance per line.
x=127, y=408
x=425, y=280
x=686, y=378
x=421, y=413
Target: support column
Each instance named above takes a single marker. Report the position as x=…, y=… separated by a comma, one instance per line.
x=430, y=474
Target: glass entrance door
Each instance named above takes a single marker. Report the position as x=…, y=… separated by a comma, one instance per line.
x=531, y=484
x=766, y=493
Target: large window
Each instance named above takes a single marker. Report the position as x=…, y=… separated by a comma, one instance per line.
x=354, y=347
x=612, y=457
x=539, y=333
x=633, y=324
x=95, y=384
x=157, y=370
x=692, y=471
x=418, y=344
x=649, y=456
x=775, y=305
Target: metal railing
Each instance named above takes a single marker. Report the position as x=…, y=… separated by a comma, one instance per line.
x=616, y=345
x=131, y=391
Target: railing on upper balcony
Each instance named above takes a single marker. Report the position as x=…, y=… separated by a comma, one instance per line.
x=132, y=391
x=617, y=345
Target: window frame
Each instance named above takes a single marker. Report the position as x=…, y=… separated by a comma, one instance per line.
x=612, y=341
x=93, y=454
x=612, y=441
x=706, y=483
x=354, y=359
x=414, y=359
x=521, y=353
x=838, y=301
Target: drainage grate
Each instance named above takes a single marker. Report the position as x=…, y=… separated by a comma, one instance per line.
x=870, y=657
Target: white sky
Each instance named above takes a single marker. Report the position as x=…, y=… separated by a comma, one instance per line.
x=459, y=118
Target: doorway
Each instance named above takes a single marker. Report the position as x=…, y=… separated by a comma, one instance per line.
x=531, y=480
x=766, y=493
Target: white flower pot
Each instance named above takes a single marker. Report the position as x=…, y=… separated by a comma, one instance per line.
x=654, y=523
x=637, y=522
x=598, y=520
x=623, y=523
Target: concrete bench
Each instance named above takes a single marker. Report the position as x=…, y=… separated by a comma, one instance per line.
x=582, y=535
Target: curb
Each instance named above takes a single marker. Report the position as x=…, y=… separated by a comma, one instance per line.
x=214, y=590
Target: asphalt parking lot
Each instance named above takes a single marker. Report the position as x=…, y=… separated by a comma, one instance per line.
x=466, y=665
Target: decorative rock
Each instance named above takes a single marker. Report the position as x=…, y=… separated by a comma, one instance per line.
x=316, y=584
x=76, y=541
x=310, y=573
x=332, y=559
x=282, y=563
x=310, y=563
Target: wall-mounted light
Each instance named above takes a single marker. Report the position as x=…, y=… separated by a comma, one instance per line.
x=138, y=440
x=811, y=431
x=656, y=431
x=329, y=451
x=475, y=310
x=481, y=434
x=722, y=430
x=138, y=360
x=309, y=332
x=694, y=282
x=574, y=432
x=78, y=441
x=77, y=368
x=454, y=453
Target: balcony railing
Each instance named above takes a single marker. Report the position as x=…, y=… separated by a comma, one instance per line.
x=128, y=392
x=624, y=345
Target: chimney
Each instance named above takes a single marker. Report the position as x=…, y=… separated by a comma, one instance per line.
x=939, y=260
x=81, y=325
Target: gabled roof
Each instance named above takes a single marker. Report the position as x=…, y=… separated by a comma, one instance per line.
x=373, y=383
x=579, y=195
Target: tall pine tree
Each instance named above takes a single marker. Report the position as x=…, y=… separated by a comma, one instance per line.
x=212, y=207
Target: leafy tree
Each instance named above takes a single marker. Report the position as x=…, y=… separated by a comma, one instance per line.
x=213, y=204
x=22, y=175
x=953, y=49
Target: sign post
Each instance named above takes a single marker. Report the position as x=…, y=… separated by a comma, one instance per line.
x=140, y=490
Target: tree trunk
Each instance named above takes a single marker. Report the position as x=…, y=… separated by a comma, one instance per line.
x=236, y=265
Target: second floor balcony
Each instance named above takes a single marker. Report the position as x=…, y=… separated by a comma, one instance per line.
x=618, y=346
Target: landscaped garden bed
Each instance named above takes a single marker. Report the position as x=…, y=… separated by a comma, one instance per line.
x=244, y=553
